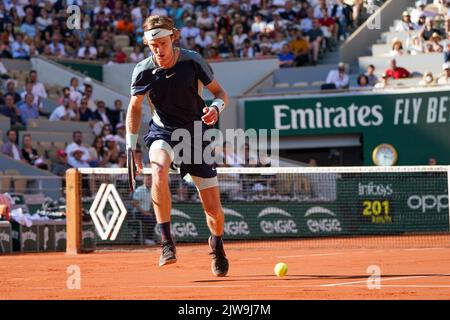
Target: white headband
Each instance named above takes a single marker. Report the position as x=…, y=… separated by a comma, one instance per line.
x=157, y=33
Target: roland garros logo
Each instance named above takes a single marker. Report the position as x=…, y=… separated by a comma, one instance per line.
x=107, y=193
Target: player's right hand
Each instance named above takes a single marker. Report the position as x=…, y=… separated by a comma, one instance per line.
x=138, y=162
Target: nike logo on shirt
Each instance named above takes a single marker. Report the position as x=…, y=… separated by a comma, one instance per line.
x=168, y=76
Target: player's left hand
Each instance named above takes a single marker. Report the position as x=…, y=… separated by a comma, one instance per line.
x=210, y=116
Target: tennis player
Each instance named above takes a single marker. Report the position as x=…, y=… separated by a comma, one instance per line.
x=172, y=80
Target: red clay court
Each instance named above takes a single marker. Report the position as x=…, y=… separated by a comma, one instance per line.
x=318, y=269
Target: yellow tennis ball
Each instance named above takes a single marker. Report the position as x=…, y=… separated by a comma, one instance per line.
x=280, y=269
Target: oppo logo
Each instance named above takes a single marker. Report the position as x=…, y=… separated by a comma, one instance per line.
x=428, y=202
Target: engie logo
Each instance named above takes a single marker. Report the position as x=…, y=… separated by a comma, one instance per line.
x=428, y=202
x=234, y=226
x=323, y=224
x=181, y=229
x=274, y=225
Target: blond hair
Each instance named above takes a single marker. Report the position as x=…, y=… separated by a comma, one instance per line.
x=160, y=22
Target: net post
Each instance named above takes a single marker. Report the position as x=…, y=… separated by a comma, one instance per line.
x=73, y=212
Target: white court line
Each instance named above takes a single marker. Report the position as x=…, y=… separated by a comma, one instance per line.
x=381, y=279
x=325, y=254
x=312, y=255
x=190, y=286
x=408, y=286
x=423, y=249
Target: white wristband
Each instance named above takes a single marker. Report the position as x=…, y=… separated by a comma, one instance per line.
x=219, y=103
x=131, y=140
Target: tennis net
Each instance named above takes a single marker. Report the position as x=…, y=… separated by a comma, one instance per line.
x=304, y=206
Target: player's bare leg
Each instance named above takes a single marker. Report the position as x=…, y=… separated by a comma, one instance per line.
x=215, y=219
x=162, y=204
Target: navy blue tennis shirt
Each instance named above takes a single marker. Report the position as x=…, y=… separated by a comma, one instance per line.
x=175, y=94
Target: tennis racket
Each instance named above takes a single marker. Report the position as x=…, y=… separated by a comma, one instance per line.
x=131, y=165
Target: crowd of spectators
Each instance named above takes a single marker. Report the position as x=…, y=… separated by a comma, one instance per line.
x=218, y=29
x=75, y=104
x=428, y=31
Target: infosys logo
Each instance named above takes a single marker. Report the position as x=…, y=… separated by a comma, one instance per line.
x=373, y=189
x=327, y=222
x=279, y=221
x=183, y=228
x=234, y=223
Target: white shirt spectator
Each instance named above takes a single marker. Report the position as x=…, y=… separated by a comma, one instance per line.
x=443, y=81
x=416, y=14
x=207, y=22
x=187, y=32
x=105, y=9
x=35, y=98
x=19, y=9
x=277, y=46
x=214, y=10
x=238, y=40
x=71, y=147
x=92, y=52
x=15, y=151
x=39, y=90
x=226, y=3
x=339, y=79
x=136, y=57
x=60, y=112
x=306, y=24
x=159, y=12
x=203, y=42
x=279, y=3
x=3, y=69
x=258, y=27
x=59, y=46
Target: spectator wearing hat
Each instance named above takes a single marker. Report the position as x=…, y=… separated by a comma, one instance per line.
x=418, y=11
x=370, y=74
x=416, y=46
x=383, y=83
x=338, y=77
x=120, y=136
x=397, y=48
x=434, y=43
x=406, y=24
x=78, y=161
x=427, y=80
x=445, y=78
x=60, y=166
x=396, y=72
x=112, y=149
x=77, y=143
